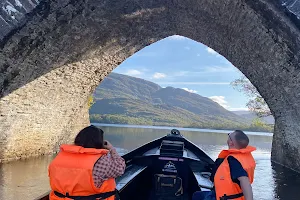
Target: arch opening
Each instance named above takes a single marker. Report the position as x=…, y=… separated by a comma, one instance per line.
x=193, y=75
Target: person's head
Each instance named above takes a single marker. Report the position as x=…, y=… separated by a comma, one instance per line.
x=90, y=137
x=237, y=140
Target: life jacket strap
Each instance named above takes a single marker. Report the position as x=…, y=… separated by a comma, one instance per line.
x=103, y=195
x=234, y=196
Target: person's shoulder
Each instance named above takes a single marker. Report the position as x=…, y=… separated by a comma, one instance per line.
x=231, y=158
x=236, y=168
x=233, y=162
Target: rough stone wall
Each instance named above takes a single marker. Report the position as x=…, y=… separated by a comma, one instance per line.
x=50, y=66
x=44, y=113
x=13, y=14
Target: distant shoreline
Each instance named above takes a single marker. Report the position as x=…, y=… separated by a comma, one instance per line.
x=180, y=128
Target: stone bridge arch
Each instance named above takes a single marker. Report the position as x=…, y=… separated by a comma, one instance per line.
x=53, y=57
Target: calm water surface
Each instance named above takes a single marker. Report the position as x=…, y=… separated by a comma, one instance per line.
x=28, y=179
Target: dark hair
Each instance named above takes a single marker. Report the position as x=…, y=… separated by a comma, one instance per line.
x=241, y=139
x=90, y=137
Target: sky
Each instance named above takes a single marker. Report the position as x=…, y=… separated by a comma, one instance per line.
x=180, y=62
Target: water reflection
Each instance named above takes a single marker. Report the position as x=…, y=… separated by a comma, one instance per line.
x=29, y=178
x=287, y=183
x=24, y=179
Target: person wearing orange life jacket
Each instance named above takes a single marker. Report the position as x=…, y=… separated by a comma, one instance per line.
x=233, y=172
x=87, y=169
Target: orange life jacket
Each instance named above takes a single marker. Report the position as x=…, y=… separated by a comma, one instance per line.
x=223, y=183
x=71, y=171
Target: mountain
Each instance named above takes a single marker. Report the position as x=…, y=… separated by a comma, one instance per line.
x=251, y=115
x=122, y=86
x=124, y=99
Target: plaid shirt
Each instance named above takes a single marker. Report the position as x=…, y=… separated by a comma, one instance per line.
x=108, y=166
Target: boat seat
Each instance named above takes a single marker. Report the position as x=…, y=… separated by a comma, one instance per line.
x=171, y=148
x=128, y=176
x=167, y=187
x=204, y=183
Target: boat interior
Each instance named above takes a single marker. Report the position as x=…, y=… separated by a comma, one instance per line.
x=167, y=172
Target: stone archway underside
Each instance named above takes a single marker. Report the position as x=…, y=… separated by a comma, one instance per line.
x=54, y=61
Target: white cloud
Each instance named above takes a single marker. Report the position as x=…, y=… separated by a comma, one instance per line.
x=189, y=90
x=181, y=73
x=176, y=37
x=133, y=72
x=194, y=83
x=187, y=48
x=198, y=55
x=212, y=69
x=220, y=100
x=239, y=109
x=204, y=70
x=211, y=51
x=159, y=75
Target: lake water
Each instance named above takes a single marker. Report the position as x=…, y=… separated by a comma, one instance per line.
x=28, y=179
